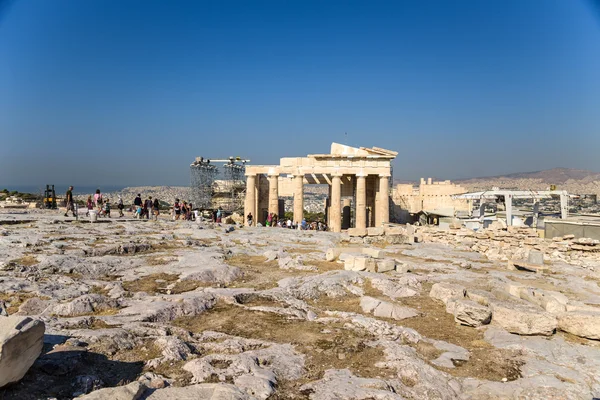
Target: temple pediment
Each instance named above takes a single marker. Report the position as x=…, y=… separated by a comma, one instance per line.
x=341, y=150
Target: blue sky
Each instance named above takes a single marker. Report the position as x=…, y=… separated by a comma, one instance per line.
x=102, y=92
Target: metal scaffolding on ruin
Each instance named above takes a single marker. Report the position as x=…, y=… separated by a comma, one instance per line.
x=218, y=187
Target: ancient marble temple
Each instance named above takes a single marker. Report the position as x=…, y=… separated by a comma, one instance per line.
x=358, y=178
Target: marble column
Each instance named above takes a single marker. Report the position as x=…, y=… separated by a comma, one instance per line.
x=298, y=198
x=361, y=202
x=382, y=214
x=336, y=204
x=250, y=203
x=274, y=194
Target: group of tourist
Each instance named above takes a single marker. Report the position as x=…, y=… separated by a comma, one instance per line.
x=274, y=221
x=145, y=208
x=182, y=210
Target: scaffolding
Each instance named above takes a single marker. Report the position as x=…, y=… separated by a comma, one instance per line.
x=212, y=187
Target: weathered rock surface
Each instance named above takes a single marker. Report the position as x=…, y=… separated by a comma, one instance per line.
x=132, y=391
x=581, y=323
x=386, y=309
x=522, y=319
x=21, y=341
x=446, y=291
x=467, y=312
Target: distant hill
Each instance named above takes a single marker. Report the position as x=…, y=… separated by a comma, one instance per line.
x=551, y=176
x=576, y=181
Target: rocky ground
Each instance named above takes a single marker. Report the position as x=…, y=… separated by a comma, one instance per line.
x=163, y=309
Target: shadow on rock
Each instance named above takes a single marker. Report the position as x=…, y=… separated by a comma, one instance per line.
x=66, y=371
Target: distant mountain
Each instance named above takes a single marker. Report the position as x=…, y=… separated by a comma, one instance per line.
x=576, y=181
x=551, y=176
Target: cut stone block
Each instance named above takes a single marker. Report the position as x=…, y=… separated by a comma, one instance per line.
x=360, y=263
x=375, y=253
x=522, y=318
x=21, y=341
x=446, y=291
x=357, y=232
x=536, y=257
x=386, y=265
x=334, y=253
x=375, y=231
x=581, y=323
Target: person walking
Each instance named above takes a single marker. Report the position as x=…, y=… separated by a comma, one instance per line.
x=120, y=206
x=89, y=205
x=148, y=206
x=177, y=209
x=69, y=199
x=249, y=218
x=155, y=209
x=98, y=199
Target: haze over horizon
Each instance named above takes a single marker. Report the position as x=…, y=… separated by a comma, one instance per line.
x=127, y=93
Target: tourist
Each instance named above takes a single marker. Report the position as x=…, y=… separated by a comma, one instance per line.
x=137, y=202
x=249, y=218
x=69, y=199
x=289, y=223
x=148, y=207
x=269, y=219
x=155, y=207
x=89, y=205
x=192, y=215
x=219, y=215
x=184, y=210
x=138, y=210
x=303, y=226
x=106, y=208
x=274, y=220
x=176, y=210
x=120, y=206
x=98, y=199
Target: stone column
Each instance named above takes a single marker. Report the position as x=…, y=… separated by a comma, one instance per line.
x=336, y=204
x=564, y=206
x=361, y=202
x=382, y=214
x=250, y=203
x=274, y=194
x=508, y=205
x=298, y=198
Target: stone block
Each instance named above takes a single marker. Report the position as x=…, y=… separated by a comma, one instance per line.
x=349, y=263
x=523, y=319
x=581, y=323
x=360, y=263
x=21, y=341
x=334, y=253
x=514, y=289
x=401, y=267
x=536, y=257
x=470, y=313
x=375, y=253
x=375, y=231
x=418, y=238
x=394, y=231
x=446, y=291
x=357, y=232
x=386, y=265
x=479, y=296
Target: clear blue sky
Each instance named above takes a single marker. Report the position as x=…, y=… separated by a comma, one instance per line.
x=100, y=92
